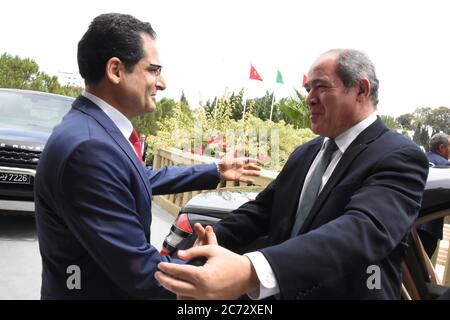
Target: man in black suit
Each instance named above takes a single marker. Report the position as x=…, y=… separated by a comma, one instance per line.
x=336, y=217
x=144, y=145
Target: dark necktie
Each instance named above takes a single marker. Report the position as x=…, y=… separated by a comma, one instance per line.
x=312, y=189
x=134, y=139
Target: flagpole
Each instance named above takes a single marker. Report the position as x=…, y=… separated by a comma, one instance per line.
x=245, y=102
x=271, y=107
x=245, y=91
x=243, y=112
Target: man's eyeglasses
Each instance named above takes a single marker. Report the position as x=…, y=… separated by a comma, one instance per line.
x=155, y=69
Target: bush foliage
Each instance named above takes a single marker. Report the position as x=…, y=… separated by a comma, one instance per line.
x=214, y=131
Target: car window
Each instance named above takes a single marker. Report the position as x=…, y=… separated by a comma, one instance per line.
x=32, y=111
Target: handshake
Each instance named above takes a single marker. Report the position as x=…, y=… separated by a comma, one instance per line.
x=212, y=272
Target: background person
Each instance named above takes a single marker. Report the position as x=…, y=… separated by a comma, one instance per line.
x=144, y=145
x=439, y=155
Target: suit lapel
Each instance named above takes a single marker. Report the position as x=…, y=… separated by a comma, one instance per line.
x=356, y=147
x=88, y=107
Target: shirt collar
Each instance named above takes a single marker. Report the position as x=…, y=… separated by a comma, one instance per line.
x=122, y=122
x=345, y=139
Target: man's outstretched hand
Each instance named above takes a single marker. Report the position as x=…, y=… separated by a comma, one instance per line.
x=238, y=168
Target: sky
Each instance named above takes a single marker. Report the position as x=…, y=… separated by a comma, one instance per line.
x=206, y=47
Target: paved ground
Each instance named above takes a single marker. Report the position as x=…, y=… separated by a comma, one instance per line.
x=20, y=261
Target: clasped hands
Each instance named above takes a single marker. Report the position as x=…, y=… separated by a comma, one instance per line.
x=225, y=275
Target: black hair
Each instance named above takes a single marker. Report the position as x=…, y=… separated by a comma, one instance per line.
x=111, y=35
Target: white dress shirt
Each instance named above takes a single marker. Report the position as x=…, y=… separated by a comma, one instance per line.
x=268, y=282
x=123, y=124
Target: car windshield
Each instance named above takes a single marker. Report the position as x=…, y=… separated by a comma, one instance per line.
x=32, y=111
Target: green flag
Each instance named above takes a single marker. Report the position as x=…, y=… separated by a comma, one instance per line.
x=279, y=77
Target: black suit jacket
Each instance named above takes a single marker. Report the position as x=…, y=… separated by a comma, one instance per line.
x=361, y=218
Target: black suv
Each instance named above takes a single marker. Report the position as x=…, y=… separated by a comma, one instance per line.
x=26, y=121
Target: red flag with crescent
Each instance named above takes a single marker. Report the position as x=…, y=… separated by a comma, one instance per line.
x=254, y=74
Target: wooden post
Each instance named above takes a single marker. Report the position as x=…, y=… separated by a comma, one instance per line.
x=156, y=160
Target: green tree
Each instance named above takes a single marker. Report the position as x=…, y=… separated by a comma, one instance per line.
x=439, y=120
x=296, y=110
x=390, y=122
x=262, y=107
x=183, y=97
x=421, y=136
x=420, y=125
x=16, y=72
x=237, y=105
x=148, y=124
x=405, y=121
x=163, y=118
x=210, y=105
x=425, y=121
x=19, y=73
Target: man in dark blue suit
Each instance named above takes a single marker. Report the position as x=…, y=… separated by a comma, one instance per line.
x=336, y=217
x=439, y=155
x=92, y=192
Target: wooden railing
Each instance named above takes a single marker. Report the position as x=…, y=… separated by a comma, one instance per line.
x=174, y=157
x=442, y=256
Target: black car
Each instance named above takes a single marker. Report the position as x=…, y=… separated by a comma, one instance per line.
x=26, y=122
x=207, y=208
x=210, y=207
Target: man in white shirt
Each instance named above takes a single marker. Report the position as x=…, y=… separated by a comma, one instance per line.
x=341, y=207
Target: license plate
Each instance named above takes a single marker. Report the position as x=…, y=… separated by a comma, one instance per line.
x=15, y=178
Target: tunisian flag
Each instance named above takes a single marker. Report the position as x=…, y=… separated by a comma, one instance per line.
x=305, y=80
x=254, y=74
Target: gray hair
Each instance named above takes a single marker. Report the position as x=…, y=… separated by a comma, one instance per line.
x=354, y=65
x=437, y=140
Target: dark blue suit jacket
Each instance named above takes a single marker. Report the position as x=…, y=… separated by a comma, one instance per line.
x=437, y=159
x=93, y=209
x=360, y=218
